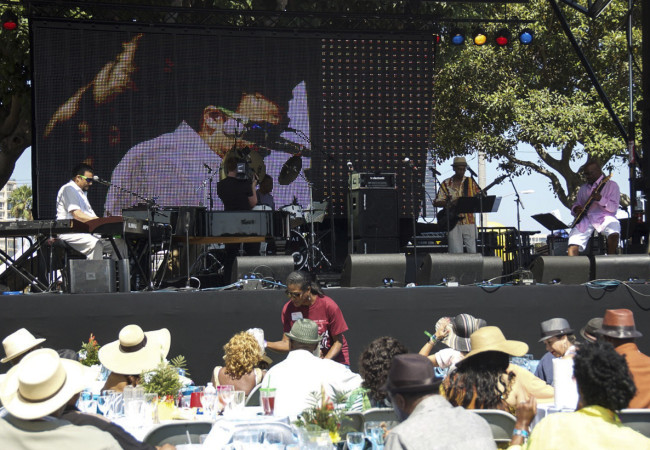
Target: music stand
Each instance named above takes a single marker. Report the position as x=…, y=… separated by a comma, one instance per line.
x=549, y=221
x=480, y=204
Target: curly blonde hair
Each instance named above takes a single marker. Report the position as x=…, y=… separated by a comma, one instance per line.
x=242, y=354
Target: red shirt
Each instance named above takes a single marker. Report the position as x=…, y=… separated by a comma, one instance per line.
x=329, y=318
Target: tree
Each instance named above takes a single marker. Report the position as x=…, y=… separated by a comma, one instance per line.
x=20, y=202
x=491, y=99
x=15, y=94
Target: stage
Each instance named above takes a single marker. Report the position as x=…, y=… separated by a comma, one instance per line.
x=201, y=322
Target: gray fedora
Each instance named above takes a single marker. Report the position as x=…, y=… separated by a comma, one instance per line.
x=554, y=327
x=304, y=331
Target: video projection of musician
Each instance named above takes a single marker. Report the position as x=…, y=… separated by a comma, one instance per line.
x=463, y=235
x=178, y=103
x=600, y=197
x=72, y=203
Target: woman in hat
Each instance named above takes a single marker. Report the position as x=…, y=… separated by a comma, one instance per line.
x=134, y=352
x=485, y=379
x=455, y=333
x=242, y=355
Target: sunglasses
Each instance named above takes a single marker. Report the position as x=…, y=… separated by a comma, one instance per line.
x=89, y=180
x=293, y=294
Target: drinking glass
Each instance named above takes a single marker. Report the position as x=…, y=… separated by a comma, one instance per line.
x=375, y=433
x=86, y=403
x=224, y=396
x=273, y=439
x=207, y=402
x=267, y=396
x=356, y=441
x=150, y=408
x=238, y=401
x=104, y=403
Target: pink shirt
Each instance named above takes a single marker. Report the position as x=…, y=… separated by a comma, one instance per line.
x=606, y=207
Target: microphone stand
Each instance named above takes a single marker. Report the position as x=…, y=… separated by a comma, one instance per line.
x=151, y=211
x=415, y=216
x=519, y=243
x=480, y=207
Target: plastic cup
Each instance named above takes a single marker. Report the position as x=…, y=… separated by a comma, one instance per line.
x=267, y=395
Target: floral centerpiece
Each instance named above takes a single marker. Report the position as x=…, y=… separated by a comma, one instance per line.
x=325, y=412
x=88, y=352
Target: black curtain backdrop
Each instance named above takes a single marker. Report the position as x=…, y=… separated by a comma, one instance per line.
x=202, y=322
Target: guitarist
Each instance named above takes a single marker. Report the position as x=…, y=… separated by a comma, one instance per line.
x=603, y=197
x=464, y=232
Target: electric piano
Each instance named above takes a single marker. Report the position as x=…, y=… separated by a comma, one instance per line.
x=24, y=228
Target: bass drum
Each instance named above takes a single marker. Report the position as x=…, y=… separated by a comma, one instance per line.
x=297, y=247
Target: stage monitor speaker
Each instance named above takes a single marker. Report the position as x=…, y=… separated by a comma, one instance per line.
x=562, y=269
x=621, y=267
x=91, y=276
x=371, y=270
x=492, y=269
x=270, y=267
x=465, y=268
x=374, y=213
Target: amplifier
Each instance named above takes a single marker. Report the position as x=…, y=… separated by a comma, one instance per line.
x=372, y=181
x=239, y=223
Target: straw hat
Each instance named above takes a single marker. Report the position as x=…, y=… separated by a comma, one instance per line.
x=491, y=339
x=135, y=351
x=554, y=327
x=411, y=372
x=459, y=161
x=41, y=384
x=304, y=331
x=19, y=342
x=619, y=324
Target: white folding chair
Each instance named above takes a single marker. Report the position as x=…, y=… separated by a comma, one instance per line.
x=637, y=419
x=501, y=423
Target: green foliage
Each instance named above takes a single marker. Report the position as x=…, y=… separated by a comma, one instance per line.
x=491, y=99
x=324, y=412
x=20, y=200
x=89, y=353
x=164, y=380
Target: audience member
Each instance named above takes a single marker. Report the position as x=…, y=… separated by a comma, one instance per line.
x=302, y=372
x=619, y=329
x=374, y=365
x=588, y=332
x=242, y=355
x=485, y=379
x=428, y=421
x=455, y=333
x=605, y=387
x=34, y=394
x=559, y=340
x=307, y=301
x=134, y=352
x=18, y=344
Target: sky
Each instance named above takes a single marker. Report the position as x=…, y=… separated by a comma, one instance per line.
x=541, y=200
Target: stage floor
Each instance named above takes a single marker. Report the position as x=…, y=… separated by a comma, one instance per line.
x=201, y=322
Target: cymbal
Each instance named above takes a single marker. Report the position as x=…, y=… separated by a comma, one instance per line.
x=290, y=170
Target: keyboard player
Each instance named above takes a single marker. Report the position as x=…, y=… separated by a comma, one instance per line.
x=72, y=203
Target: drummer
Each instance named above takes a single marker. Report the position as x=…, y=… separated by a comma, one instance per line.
x=264, y=195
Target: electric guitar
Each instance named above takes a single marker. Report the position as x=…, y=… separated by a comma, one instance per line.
x=451, y=211
x=590, y=200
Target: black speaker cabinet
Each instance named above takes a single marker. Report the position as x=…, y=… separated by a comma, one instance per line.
x=371, y=270
x=374, y=213
x=564, y=269
x=373, y=245
x=91, y=276
x=465, y=268
x=272, y=267
x=492, y=269
x=622, y=267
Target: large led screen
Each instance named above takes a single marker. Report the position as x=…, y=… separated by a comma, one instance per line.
x=154, y=112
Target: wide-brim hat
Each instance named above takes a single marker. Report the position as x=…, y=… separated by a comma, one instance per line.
x=554, y=327
x=459, y=161
x=590, y=331
x=411, y=372
x=462, y=327
x=491, y=339
x=304, y=331
x=19, y=342
x=41, y=384
x=135, y=351
x=619, y=324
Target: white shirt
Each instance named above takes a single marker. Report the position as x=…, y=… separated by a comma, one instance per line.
x=70, y=198
x=447, y=358
x=302, y=373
